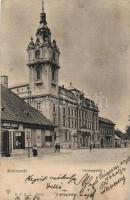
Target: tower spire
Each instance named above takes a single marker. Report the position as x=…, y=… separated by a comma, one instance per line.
x=42, y=5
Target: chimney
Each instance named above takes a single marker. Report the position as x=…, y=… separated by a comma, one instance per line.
x=4, y=81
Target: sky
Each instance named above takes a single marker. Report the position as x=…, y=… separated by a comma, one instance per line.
x=94, y=41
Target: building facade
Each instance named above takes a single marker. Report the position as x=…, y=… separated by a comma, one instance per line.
x=22, y=126
x=106, y=133
x=75, y=116
x=121, y=139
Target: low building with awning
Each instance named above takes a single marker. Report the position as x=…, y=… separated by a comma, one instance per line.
x=22, y=125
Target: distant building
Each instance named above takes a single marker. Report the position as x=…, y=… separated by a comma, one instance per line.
x=20, y=122
x=121, y=139
x=106, y=133
x=128, y=135
x=75, y=116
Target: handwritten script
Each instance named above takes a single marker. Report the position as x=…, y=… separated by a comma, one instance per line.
x=83, y=185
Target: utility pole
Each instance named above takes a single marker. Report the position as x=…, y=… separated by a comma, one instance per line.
x=28, y=149
x=28, y=138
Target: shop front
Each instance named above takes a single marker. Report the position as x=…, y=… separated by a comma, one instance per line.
x=22, y=126
x=16, y=140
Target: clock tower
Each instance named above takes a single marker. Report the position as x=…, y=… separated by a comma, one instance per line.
x=43, y=63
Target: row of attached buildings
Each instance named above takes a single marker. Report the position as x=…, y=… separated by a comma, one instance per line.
x=79, y=125
x=45, y=113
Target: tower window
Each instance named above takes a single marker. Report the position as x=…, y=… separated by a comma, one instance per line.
x=37, y=54
x=53, y=75
x=38, y=73
x=54, y=56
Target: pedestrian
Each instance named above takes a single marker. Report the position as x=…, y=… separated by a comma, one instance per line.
x=90, y=147
x=35, y=151
x=57, y=147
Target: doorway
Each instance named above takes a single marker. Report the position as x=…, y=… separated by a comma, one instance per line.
x=5, y=144
x=102, y=143
x=19, y=140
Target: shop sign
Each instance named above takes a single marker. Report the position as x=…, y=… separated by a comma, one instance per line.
x=6, y=125
x=14, y=125
x=9, y=125
x=18, y=134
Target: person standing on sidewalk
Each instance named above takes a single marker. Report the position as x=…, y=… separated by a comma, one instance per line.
x=35, y=151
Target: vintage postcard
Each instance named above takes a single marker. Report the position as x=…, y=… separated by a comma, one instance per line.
x=65, y=100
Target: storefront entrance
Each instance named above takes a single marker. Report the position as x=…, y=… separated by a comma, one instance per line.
x=84, y=140
x=18, y=140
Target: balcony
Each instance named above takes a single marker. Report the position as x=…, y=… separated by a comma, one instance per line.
x=38, y=82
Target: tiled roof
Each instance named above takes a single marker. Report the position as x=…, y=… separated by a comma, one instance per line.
x=16, y=109
x=108, y=121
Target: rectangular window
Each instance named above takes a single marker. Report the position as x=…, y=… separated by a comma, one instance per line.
x=68, y=111
x=72, y=111
x=63, y=121
x=53, y=75
x=54, y=108
x=38, y=74
x=72, y=124
x=75, y=112
x=69, y=122
x=54, y=113
x=75, y=123
x=69, y=137
x=37, y=54
x=39, y=107
x=63, y=110
x=48, y=138
x=65, y=136
x=55, y=136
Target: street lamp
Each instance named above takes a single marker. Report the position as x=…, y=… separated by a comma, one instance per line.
x=28, y=138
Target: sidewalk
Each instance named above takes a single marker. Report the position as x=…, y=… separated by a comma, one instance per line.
x=24, y=152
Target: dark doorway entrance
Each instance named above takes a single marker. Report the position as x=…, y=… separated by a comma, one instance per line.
x=5, y=144
x=19, y=140
x=102, y=143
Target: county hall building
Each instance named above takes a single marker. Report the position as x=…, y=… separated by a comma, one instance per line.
x=74, y=116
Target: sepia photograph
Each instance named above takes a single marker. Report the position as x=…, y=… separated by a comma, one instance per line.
x=64, y=99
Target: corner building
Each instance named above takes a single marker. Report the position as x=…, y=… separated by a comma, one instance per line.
x=75, y=116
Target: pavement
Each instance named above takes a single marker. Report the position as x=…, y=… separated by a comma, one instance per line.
x=78, y=156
